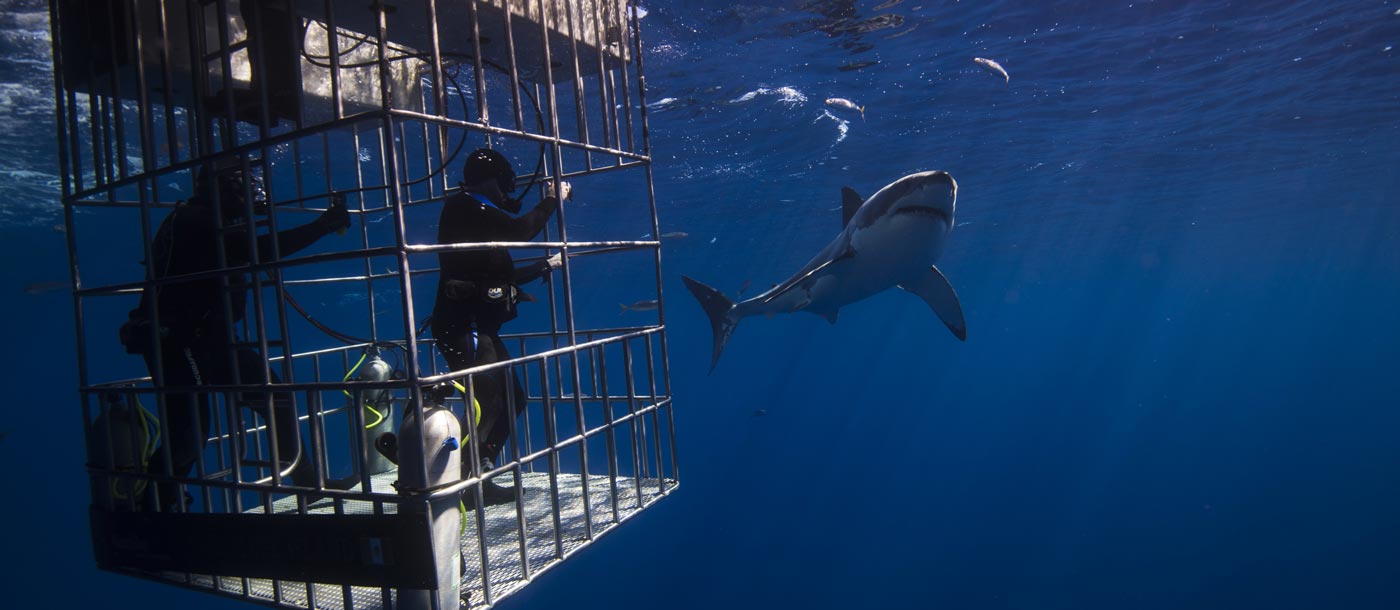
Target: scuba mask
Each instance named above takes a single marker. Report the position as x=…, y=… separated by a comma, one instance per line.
x=238, y=187
x=257, y=188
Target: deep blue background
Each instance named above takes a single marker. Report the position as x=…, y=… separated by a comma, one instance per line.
x=1176, y=249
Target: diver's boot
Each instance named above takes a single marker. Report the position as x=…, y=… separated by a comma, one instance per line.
x=491, y=493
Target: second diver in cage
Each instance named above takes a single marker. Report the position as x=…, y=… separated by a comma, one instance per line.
x=478, y=291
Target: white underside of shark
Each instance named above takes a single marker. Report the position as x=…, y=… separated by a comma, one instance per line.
x=891, y=240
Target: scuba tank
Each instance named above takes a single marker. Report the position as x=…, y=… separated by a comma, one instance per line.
x=123, y=438
x=378, y=405
x=434, y=442
x=375, y=369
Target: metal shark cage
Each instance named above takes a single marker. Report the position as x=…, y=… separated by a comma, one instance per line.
x=374, y=103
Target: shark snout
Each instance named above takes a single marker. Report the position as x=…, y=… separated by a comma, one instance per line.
x=937, y=179
x=933, y=189
x=937, y=184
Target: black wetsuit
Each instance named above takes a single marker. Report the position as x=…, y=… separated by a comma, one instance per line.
x=463, y=304
x=195, y=349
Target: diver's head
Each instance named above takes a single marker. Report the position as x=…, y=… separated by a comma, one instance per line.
x=489, y=173
x=233, y=185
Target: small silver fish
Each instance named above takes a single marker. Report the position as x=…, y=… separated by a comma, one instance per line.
x=993, y=67
x=648, y=305
x=674, y=235
x=841, y=102
x=760, y=412
x=43, y=287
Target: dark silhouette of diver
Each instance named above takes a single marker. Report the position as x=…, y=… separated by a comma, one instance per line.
x=477, y=293
x=195, y=336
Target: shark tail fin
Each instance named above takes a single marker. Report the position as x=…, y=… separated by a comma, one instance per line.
x=720, y=311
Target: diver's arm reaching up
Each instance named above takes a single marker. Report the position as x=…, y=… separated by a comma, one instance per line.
x=290, y=241
x=529, y=225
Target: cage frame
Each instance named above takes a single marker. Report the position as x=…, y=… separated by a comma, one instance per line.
x=216, y=134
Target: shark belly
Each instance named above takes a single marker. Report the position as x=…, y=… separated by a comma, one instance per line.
x=888, y=254
x=885, y=256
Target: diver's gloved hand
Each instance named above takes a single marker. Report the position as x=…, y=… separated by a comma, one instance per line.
x=336, y=218
x=565, y=190
x=556, y=261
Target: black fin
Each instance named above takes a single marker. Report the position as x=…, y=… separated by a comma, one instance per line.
x=850, y=202
x=717, y=308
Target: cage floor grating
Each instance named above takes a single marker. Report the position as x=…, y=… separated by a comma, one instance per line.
x=503, y=545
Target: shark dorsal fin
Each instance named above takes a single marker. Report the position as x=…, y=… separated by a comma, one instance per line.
x=850, y=202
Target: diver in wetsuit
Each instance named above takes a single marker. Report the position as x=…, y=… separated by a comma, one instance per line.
x=477, y=293
x=195, y=336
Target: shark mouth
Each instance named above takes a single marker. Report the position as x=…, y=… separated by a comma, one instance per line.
x=919, y=210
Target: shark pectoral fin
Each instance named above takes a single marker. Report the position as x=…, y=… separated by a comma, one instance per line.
x=850, y=202
x=831, y=317
x=935, y=290
x=793, y=281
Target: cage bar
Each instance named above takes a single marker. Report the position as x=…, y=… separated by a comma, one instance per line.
x=287, y=501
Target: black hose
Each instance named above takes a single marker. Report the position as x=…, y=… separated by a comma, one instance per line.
x=361, y=40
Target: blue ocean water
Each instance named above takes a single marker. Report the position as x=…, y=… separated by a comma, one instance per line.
x=1178, y=251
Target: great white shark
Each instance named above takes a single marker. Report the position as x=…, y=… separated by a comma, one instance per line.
x=891, y=240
